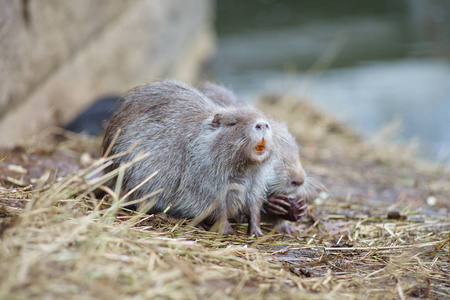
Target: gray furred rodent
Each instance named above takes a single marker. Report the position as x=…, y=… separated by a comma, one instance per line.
x=285, y=181
x=205, y=154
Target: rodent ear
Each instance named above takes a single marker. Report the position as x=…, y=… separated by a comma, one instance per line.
x=231, y=121
x=217, y=120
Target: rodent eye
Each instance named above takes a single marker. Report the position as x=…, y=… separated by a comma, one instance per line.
x=231, y=123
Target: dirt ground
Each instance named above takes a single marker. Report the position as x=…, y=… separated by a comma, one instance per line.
x=380, y=229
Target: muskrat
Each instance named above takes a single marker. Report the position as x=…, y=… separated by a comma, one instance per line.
x=206, y=155
x=285, y=184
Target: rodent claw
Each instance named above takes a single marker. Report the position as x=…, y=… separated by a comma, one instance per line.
x=294, y=210
x=279, y=201
x=280, y=196
x=275, y=209
x=254, y=229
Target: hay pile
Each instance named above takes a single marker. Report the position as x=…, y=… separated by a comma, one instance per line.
x=371, y=234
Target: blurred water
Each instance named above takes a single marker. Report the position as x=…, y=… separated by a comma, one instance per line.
x=366, y=63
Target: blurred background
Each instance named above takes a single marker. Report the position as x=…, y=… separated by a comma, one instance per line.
x=370, y=63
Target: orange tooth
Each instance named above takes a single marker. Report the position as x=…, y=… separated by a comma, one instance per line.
x=261, y=146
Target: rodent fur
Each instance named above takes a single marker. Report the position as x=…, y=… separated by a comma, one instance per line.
x=202, y=152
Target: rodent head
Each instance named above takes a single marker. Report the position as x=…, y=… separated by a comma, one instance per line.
x=244, y=136
x=288, y=176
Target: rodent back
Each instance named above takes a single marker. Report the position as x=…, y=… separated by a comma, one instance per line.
x=161, y=103
x=220, y=95
x=164, y=118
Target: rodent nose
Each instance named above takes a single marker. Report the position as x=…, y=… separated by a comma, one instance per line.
x=298, y=181
x=262, y=126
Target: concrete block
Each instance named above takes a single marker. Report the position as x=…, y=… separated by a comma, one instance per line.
x=148, y=40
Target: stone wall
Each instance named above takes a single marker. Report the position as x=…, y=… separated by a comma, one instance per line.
x=56, y=57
